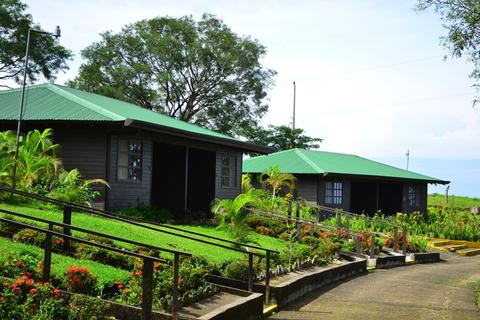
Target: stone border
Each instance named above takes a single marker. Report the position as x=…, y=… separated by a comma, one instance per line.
x=391, y=261
x=249, y=307
x=427, y=257
x=296, y=287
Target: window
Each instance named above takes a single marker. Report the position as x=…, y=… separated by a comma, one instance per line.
x=129, y=161
x=333, y=192
x=412, y=196
x=229, y=171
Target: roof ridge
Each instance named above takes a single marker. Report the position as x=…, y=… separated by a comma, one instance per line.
x=308, y=160
x=87, y=104
x=394, y=167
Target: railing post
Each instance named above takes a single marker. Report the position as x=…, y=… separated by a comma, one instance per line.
x=47, y=258
x=358, y=243
x=250, y=272
x=267, y=278
x=372, y=246
x=147, y=283
x=404, y=240
x=312, y=228
x=289, y=210
x=348, y=223
x=297, y=217
x=176, y=265
x=395, y=239
x=67, y=219
x=339, y=220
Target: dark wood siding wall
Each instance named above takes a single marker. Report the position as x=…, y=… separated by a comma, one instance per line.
x=307, y=187
x=222, y=192
x=346, y=193
x=126, y=194
x=421, y=191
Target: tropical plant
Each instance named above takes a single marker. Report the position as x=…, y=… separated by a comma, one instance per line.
x=276, y=180
x=71, y=187
x=232, y=214
x=246, y=182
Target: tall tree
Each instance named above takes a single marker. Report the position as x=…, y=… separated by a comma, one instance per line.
x=196, y=71
x=46, y=57
x=282, y=138
x=462, y=20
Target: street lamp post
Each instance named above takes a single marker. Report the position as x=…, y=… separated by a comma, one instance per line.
x=55, y=34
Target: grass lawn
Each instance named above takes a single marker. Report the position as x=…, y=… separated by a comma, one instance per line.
x=454, y=201
x=105, y=274
x=120, y=229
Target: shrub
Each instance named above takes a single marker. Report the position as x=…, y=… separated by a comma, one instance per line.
x=23, y=298
x=86, y=308
x=239, y=269
x=25, y=264
x=147, y=213
x=29, y=236
x=80, y=280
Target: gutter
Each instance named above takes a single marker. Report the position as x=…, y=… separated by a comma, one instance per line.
x=244, y=146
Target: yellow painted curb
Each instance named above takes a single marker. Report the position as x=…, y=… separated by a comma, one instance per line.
x=270, y=309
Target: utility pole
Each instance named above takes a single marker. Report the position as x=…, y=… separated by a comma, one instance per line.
x=294, y=96
x=408, y=157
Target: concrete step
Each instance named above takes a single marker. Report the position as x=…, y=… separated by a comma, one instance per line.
x=468, y=252
x=439, y=243
x=452, y=247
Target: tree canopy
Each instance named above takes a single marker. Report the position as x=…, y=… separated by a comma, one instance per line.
x=46, y=57
x=462, y=20
x=283, y=138
x=196, y=71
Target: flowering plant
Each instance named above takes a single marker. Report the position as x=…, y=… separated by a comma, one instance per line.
x=80, y=280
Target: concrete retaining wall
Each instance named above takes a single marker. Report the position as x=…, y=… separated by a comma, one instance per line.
x=427, y=257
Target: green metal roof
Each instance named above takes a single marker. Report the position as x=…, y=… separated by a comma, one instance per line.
x=300, y=161
x=54, y=102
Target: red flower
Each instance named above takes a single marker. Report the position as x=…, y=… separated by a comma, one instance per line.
x=16, y=290
x=19, y=263
x=33, y=291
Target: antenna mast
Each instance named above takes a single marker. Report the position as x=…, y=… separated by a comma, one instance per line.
x=294, y=96
x=408, y=157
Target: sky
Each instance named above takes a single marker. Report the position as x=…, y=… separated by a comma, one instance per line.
x=371, y=75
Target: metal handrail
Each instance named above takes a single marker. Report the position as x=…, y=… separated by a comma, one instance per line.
x=95, y=233
x=138, y=222
x=150, y=226
x=148, y=264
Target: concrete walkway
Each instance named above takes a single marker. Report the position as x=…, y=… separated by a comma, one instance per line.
x=442, y=290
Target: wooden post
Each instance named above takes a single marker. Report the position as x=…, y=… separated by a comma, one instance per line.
x=250, y=272
x=339, y=220
x=312, y=229
x=289, y=210
x=348, y=224
x=147, y=283
x=267, y=278
x=176, y=266
x=297, y=217
x=67, y=219
x=47, y=258
x=395, y=239
x=372, y=246
x=185, y=204
x=358, y=243
x=404, y=240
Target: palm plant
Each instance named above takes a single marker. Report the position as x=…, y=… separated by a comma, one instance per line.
x=72, y=187
x=276, y=180
x=232, y=214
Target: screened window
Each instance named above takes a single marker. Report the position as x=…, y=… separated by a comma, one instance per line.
x=229, y=171
x=333, y=192
x=412, y=196
x=129, y=165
